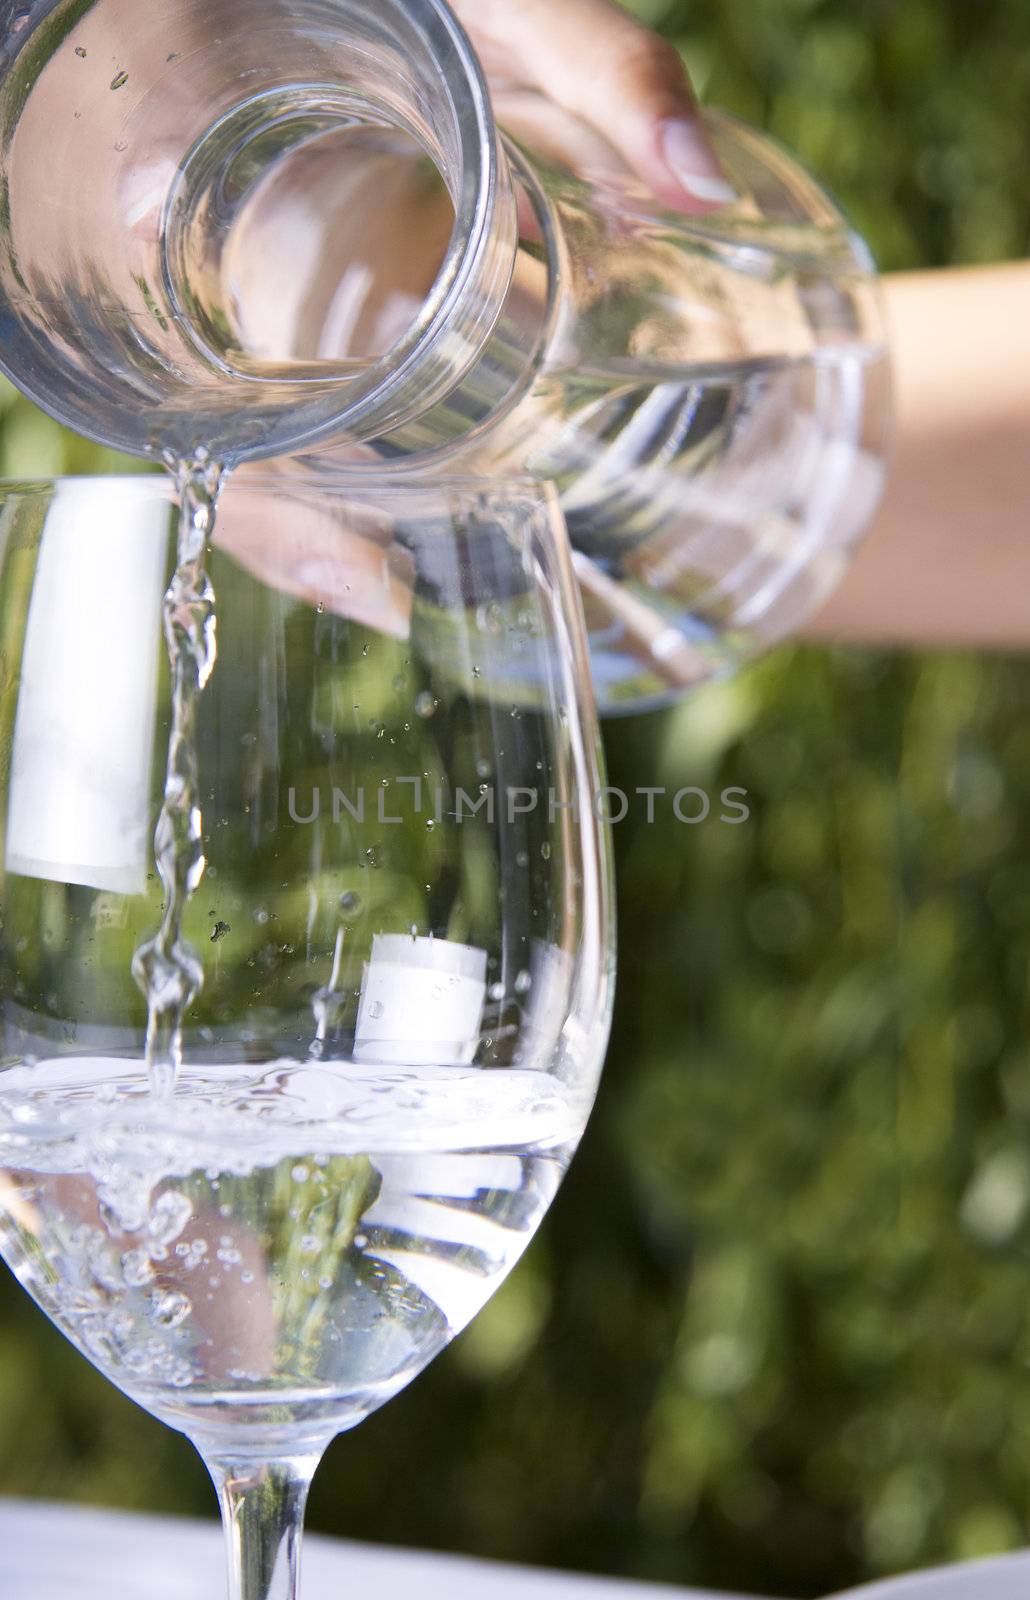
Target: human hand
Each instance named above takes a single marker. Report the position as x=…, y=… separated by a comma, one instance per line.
x=594, y=60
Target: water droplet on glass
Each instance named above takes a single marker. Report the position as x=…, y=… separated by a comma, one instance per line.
x=80, y=52
x=426, y=704
x=300, y=1173
x=497, y=991
x=119, y=80
x=524, y=982
x=430, y=824
x=350, y=903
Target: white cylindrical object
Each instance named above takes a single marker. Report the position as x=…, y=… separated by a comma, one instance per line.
x=84, y=729
x=421, y=1002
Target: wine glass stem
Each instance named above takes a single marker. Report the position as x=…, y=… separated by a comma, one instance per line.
x=262, y=1504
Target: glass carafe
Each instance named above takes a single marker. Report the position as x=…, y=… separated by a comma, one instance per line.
x=291, y=228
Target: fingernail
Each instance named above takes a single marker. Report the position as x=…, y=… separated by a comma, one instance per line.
x=692, y=163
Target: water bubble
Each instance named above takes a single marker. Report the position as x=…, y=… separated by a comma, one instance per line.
x=261, y=916
x=325, y=1283
x=168, y=1216
x=103, y=1263
x=497, y=991
x=246, y=1277
x=310, y=1245
x=120, y=1324
x=524, y=982
x=169, y=1307
x=124, y=1205
x=372, y=857
x=545, y=851
x=430, y=824
x=80, y=52
x=136, y=1268
x=300, y=1173
x=361, y=1241
x=375, y=1010
x=320, y=608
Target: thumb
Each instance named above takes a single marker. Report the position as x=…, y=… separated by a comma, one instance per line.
x=597, y=62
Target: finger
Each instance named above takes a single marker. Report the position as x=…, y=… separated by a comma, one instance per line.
x=595, y=60
x=324, y=552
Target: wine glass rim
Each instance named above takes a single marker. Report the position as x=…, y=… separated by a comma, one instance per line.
x=161, y=486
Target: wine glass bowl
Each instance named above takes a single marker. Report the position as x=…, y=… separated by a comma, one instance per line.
x=402, y=928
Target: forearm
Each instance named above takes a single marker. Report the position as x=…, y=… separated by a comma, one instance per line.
x=948, y=559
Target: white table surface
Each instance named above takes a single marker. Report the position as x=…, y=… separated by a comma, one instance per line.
x=1002, y=1578
x=54, y=1551
x=58, y=1552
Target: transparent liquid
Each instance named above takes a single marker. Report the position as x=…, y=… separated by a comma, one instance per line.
x=279, y=1247
x=166, y=967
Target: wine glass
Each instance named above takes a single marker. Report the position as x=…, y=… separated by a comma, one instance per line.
x=401, y=923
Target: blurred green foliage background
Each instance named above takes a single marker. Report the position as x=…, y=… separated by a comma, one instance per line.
x=775, y=1335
